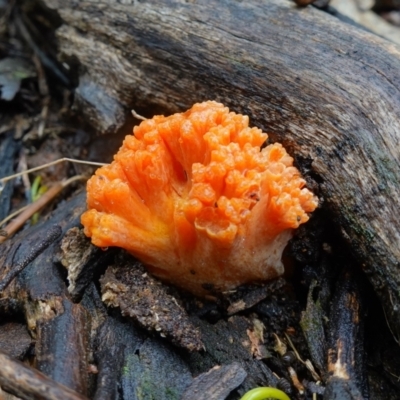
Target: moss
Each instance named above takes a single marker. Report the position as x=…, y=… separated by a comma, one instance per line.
x=149, y=390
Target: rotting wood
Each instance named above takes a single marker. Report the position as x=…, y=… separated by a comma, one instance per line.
x=51, y=236
x=40, y=293
x=346, y=360
x=235, y=346
x=14, y=339
x=327, y=90
x=146, y=300
x=242, y=300
x=63, y=345
x=109, y=360
x=81, y=259
x=28, y=383
x=215, y=384
x=18, y=222
x=8, y=149
x=312, y=324
x=124, y=356
x=39, y=288
x=151, y=369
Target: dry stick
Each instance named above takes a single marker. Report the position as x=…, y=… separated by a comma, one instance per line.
x=308, y=364
x=138, y=116
x=27, y=383
x=52, y=235
x=73, y=160
x=11, y=216
x=18, y=222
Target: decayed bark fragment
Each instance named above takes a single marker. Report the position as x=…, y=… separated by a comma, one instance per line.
x=81, y=259
x=227, y=342
x=39, y=289
x=145, y=299
x=215, y=384
x=247, y=297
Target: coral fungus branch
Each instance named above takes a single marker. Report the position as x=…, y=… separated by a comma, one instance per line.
x=198, y=201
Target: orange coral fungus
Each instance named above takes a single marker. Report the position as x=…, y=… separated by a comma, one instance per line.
x=197, y=201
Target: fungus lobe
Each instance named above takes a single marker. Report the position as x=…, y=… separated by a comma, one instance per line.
x=196, y=199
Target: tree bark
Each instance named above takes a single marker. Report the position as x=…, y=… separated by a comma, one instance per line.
x=328, y=91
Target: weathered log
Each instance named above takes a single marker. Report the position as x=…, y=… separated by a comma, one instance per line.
x=130, y=365
x=328, y=91
x=109, y=360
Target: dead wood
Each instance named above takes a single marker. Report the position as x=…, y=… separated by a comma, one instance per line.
x=242, y=300
x=39, y=293
x=109, y=360
x=62, y=347
x=215, y=384
x=81, y=346
x=328, y=91
x=14, y=339
x=151, y=369
x=81, y=259
x=17, y=223
x=146, y=300
x=51, y=236
x=235, y=346
x=312, y=324
x=28, y=383
x=346, y=360
x=39, y=289
x=8, y=149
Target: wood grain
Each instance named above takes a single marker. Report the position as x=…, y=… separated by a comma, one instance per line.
x=327, y=90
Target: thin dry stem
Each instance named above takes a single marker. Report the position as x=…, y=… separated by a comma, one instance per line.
x=138, y=116
x=11, y=216
x=8, y=178
x=27, y=213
